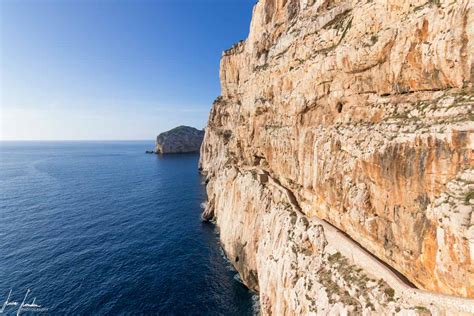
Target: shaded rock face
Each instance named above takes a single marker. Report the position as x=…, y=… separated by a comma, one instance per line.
x=363, y=110
x=181, y=139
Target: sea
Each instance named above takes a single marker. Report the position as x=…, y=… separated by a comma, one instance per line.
x=101, y=228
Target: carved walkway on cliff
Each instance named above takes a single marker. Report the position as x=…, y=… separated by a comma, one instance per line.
x=366, y=260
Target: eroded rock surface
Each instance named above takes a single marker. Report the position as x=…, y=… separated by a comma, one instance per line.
x=181, y=139
x=363, y=111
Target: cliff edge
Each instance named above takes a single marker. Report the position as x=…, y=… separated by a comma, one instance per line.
x=181, y=139
x=339, y=157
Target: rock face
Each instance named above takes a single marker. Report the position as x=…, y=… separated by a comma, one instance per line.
x=362, y=111
x=181, y=139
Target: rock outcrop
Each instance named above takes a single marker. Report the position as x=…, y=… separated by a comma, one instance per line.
x=181, y=139
x=353, y=116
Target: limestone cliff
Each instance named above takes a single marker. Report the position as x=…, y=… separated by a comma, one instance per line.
x=181, y=139
x=345, y=130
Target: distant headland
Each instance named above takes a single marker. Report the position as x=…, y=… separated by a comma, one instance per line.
x=181, y=139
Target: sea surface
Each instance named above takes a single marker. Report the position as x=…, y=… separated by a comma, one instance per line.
x=101, y=228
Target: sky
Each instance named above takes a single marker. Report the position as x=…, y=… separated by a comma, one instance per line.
x=112, y=70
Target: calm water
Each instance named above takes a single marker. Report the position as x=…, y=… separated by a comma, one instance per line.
x=102, y=228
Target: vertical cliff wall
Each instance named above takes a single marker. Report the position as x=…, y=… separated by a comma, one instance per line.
x=356, y=114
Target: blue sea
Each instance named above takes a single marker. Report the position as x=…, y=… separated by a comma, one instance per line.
x=101, y=228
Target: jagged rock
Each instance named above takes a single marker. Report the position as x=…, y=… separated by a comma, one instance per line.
x=363, y=110
x=181, y=139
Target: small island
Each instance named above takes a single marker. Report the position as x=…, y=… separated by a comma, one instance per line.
x=181, y=139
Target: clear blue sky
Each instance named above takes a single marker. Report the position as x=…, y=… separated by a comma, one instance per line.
x=104, y=69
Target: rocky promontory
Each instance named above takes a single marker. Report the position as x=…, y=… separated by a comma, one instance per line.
x=181, y=139
x=339, y=157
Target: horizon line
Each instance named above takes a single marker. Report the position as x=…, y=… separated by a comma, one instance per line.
x=74, y=140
